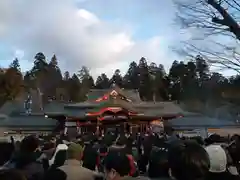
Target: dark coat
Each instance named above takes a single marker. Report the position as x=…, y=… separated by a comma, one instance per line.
x=30, y=164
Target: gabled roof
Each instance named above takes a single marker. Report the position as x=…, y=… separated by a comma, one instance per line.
x=115, y=103
x=98, y=93
x=133, y=95
x=93, y=94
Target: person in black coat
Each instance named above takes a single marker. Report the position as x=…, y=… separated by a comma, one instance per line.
x=28, y=159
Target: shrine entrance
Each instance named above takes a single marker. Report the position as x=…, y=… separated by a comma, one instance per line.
x=114, y=121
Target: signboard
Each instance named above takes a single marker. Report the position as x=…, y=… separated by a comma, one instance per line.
x=115, y=109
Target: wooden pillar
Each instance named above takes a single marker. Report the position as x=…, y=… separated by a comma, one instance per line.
x=130, y=129
x=97, y=127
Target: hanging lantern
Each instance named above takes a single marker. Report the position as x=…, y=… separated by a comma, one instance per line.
x=105, y=97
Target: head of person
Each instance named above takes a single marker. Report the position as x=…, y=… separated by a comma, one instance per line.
x=158, y=163
x=188, y=161
x=29, y=144
x=116, y=165
x=233, y=149
x=60, y=158
x=74, y=151
x=199, y=140
x=214, y=138
x=220, y=159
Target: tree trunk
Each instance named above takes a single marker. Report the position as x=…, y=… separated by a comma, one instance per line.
x=227, y=19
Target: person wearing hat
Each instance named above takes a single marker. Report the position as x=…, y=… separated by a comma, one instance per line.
x=72, y=166
x=220, y=167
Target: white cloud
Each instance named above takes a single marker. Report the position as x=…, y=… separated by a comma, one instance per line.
x=19, y=53
x=77, y=36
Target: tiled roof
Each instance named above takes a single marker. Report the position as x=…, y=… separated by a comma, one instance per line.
x=54, y=107
x=200, y=121
x=159, y=108
x=82, y=104
x=96, y=93
x=27, y=121
x=133, y=95
x=12, y=106
x=116, y=103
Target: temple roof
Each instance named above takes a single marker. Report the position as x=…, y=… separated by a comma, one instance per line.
x=93, y=94
x=116, y=103
x=133, y=95
x=11, y=106
x=54, y=107
x=27, y=121
x=200, y=122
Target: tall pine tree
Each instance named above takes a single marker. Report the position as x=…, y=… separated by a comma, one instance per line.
x=145, y=80
x=117, y=78
x=15, y=64
x=131, y=79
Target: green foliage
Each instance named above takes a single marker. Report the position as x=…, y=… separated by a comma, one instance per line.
x=15, y=64
x=184, y=81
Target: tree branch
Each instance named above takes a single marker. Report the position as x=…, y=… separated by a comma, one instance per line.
x=227, y=20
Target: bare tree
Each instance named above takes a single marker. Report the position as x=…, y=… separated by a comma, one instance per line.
x=214, y=29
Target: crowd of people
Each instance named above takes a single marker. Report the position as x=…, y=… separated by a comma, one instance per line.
x=120, y=156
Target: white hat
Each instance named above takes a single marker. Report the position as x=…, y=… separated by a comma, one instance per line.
x=218, y=158
x=59, y=147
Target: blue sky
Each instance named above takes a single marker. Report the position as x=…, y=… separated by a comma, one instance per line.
x=101, y=34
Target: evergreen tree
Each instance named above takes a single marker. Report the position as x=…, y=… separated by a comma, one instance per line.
x=202, y=69
x=184, y=81
x=15, y=64
x=158, y=82
x=66, y=76
x=175, y=77
x=40, y=62
x=74, y=89
x=190, y=82
x=131, y=79
x=86, y=80
x=39, y=73
x=54, y=63
x=117, y=78
x=102, y=82
x=54, y=77
x=144, y=80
